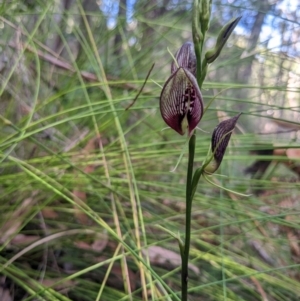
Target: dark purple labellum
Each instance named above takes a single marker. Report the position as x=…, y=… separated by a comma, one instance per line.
x=181, y=103
x=186, y=58
x=221, y=137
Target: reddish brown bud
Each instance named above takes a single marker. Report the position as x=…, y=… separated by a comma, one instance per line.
x=219, y=141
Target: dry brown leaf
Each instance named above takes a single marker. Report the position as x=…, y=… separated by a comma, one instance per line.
x=264, y=250
x=166, y=258
x=259, y=288
x=115, y=278
x=13, y=222
x=293, y=153
x=294, y=243
x=291, y=236
x=287, y=203
x=286, y=124
x=81, y=217
x=49, y=213
x=5, y=294
x=98, y=245
x=100, y=242
x=79, y=191
x=82, y=245
x=22, y=239
x=63, y=286
x=222, y=115
x=279, y=152
x=73, y=141
x=61, y=63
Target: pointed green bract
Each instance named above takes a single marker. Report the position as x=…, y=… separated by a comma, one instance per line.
x=205, y=15
x=223, y=36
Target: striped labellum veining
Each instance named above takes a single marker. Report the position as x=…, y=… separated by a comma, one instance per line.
x=219, y=141
x=181, y=103
x=221, y=136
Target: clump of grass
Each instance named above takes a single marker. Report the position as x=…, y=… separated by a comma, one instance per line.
x=84, y=183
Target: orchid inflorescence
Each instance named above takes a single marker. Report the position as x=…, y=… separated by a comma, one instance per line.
x=181, y=104
x=181, y=107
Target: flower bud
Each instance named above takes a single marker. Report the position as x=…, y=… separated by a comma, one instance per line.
x=181, y=103
x=205, y=11
x=219, y=141
x=186, y=58
x=224, y=34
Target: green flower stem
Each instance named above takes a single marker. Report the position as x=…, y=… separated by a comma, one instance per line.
x=203, y=73
x=191, y=187
x=186, y=249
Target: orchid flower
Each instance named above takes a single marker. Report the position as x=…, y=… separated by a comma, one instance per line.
x=181, y=103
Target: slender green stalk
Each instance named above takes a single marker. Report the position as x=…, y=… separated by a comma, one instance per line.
x=186, y=249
